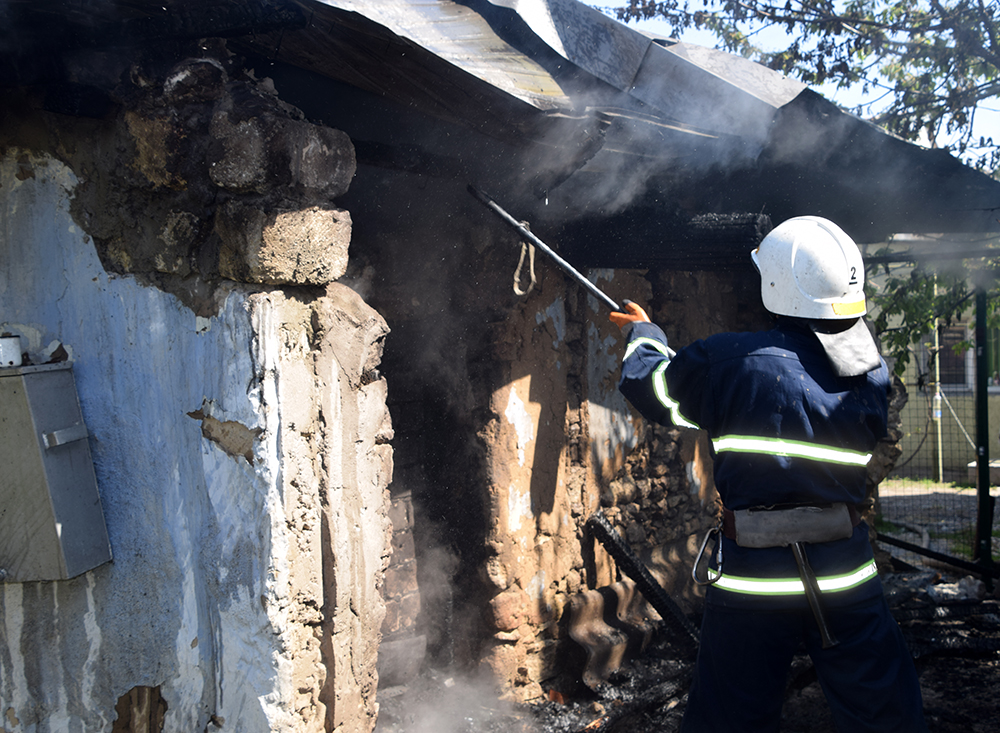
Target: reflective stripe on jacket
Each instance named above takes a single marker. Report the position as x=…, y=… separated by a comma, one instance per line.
x=783, y=429
x=792, y=586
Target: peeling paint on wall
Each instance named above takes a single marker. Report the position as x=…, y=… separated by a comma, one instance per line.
x=596, y=275
x=216, y=597
x=556, y=314
x=518, y=508
x=233, y=437
x=614, y=430
x=517, y=414
x=535, y=587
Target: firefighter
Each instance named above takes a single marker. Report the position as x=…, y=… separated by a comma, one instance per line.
x=793, y=415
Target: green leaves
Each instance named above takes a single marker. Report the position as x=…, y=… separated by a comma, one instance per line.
x=935, y=60
x=910, y=301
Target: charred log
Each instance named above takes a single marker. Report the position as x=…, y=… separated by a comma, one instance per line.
x=633, y=567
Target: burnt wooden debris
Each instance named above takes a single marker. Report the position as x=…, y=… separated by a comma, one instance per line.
x=649, y=692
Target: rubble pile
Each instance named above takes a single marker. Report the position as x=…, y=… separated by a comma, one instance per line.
x=946, y=618
x=952, y=627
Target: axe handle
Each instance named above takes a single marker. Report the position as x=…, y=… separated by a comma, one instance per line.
x=812, y=594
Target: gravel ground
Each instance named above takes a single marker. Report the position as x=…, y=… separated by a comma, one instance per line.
x=940, y=517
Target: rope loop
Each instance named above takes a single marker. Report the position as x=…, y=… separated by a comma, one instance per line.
x=528, y=248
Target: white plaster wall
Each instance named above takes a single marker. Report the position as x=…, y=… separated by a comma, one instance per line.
x=192, y=529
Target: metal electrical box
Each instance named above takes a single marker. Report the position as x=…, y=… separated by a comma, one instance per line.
x=51, y=521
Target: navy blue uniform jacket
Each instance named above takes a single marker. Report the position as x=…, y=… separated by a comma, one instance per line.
x=784, y=429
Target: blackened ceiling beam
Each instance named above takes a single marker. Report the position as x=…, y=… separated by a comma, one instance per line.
x=350, y=48
x=655, y=238
x=560, y=130
x=212, y=18
x=392, y=135
x=945, y=253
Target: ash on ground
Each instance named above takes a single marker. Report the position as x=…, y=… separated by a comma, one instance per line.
x=951, y=625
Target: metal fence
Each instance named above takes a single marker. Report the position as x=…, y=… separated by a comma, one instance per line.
x=930, y=507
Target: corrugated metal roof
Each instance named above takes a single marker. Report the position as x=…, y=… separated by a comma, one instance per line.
x=546, y=95
x=710, y=90
x=687, y=85
x=463, y=38
x=604, y=47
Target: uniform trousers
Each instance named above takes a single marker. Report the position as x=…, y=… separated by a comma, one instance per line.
x=739, y=682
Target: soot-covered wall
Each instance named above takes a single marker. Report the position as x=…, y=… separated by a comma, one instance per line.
x=510, y=432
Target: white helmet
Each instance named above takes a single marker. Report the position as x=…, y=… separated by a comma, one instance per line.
x=810, y=268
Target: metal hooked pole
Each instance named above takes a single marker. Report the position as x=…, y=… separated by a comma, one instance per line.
x=529, y=237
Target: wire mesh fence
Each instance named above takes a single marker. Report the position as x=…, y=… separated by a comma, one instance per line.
x=930, y=499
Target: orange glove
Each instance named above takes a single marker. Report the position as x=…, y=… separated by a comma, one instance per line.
x=633, y=314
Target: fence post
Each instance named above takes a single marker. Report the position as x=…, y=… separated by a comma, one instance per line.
x=982, y=553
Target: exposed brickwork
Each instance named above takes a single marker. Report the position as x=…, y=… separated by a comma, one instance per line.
x=401, y=589
x=403, y=648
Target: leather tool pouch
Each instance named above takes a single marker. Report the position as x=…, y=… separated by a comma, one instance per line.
x=763, y=527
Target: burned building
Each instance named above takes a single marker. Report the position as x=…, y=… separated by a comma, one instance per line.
x=331, y=443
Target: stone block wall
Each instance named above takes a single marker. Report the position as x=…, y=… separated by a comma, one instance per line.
x=510, y=432
x=233, y=397
x=565, y=445
x=403, y=648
